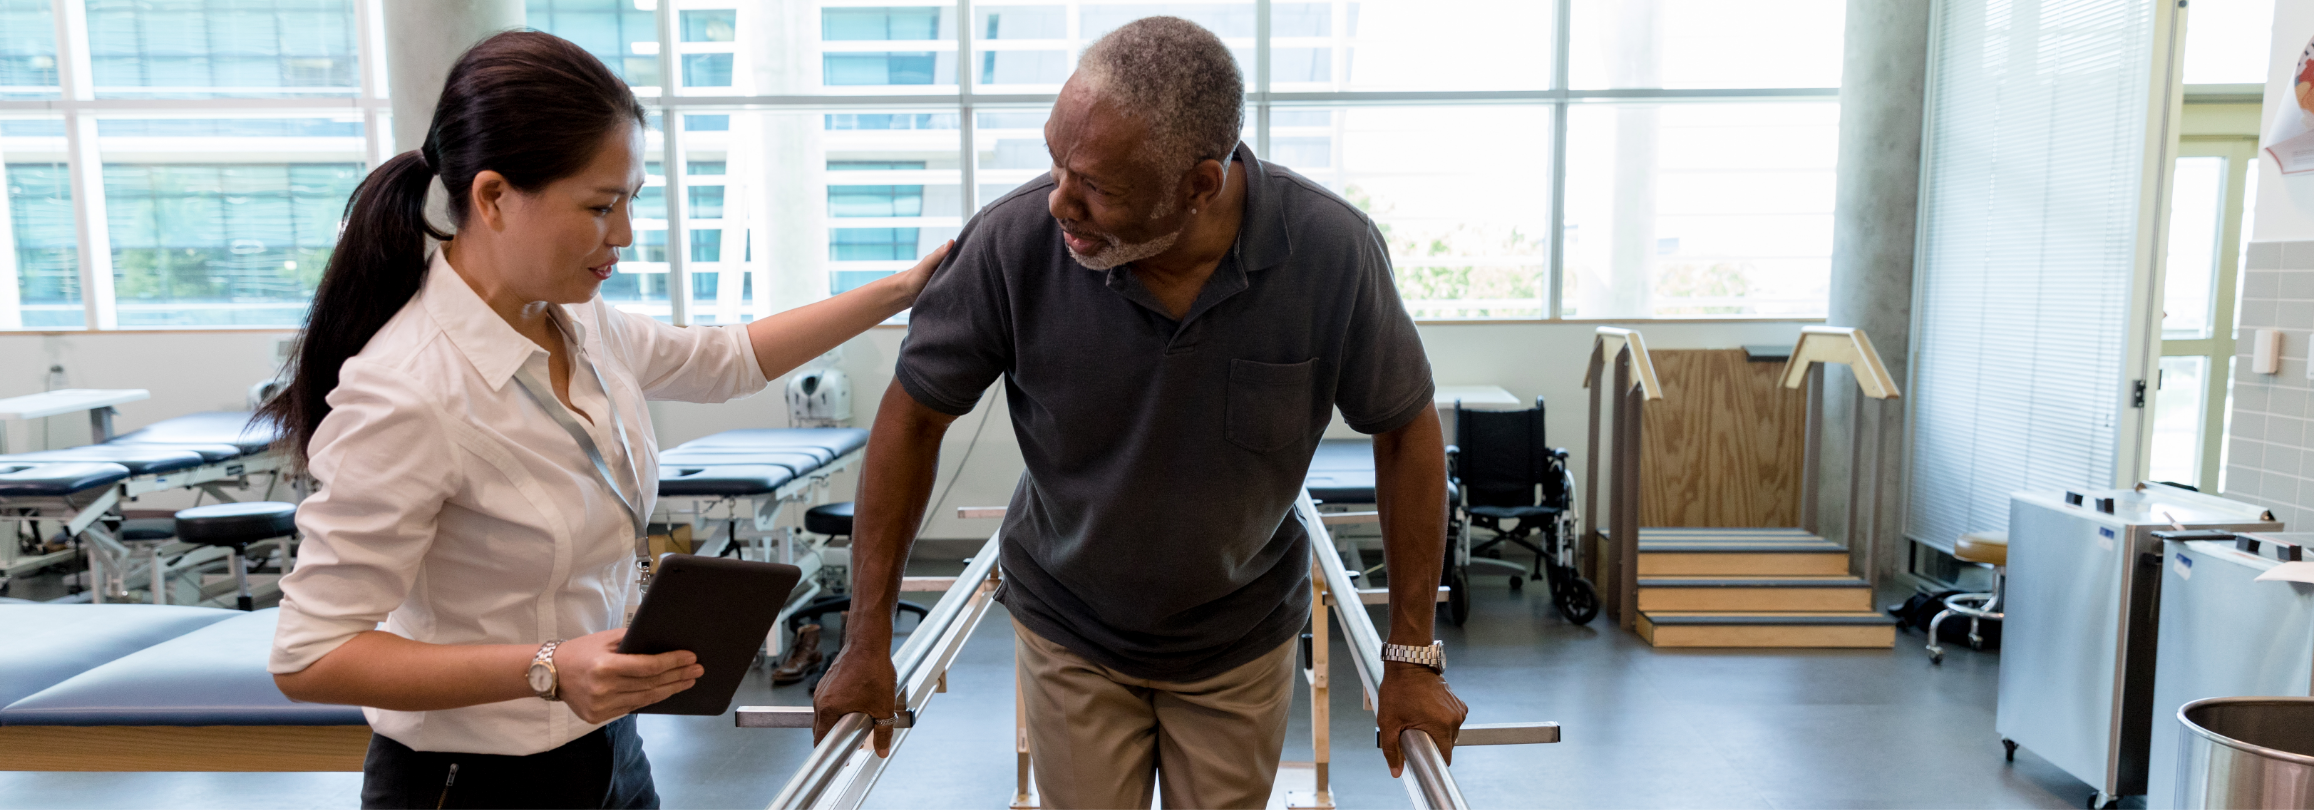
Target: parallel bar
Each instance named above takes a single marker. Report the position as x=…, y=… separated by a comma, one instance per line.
x=839, y=772
x=1381, y=596
x=1431, y=785
x=1506, y=734
x=798, y=717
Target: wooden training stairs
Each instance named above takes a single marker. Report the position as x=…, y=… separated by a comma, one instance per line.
x=1711, y=587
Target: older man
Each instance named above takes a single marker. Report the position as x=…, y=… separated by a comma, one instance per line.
x=1175, y=321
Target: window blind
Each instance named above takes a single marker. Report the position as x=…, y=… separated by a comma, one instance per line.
x=2030, y=192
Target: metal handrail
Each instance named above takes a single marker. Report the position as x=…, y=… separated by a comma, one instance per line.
x=934, y=642
x=1432, y=785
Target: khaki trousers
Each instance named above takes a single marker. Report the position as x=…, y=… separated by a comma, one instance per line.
x=1099, y=739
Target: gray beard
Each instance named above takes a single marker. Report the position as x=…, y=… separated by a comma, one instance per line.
x=1118, y=252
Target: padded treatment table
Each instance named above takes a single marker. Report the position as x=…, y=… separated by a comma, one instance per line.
x=1342, y=471
x=199, y=702
x=207, y=428
x=714, y=480
x=43, y=645
x=827, y=443
x=140, y=460
x=24, y=480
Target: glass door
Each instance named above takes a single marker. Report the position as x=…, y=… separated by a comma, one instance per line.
x=2202, y=265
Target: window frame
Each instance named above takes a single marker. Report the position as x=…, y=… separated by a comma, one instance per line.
x=79, y=108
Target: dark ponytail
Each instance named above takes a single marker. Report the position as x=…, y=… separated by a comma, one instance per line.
x=528, y=105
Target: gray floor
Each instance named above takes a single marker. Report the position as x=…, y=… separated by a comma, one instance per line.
x=1643, y=728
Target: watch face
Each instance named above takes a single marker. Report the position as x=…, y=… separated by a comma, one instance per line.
x=541, y=678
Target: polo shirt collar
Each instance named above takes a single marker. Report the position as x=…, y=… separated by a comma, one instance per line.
x=1263, y=239
x=487, y=340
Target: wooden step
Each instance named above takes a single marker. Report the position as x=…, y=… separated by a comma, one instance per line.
x=1866, y=629
x=1752, y=564
x=1717, y=552
x=1776, y=594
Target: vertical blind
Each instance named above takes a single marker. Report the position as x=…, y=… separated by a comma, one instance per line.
x=2029, y=209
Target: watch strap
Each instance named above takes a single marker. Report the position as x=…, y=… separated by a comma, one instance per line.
x=545, y=660
x=1432, y=656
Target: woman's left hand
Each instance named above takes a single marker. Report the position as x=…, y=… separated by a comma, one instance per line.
x=912, y=280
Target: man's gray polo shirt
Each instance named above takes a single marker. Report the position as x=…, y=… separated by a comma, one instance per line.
x=1153, y=531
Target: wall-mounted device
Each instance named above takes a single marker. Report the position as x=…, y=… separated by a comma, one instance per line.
x=819, y=398
x=2266, y=351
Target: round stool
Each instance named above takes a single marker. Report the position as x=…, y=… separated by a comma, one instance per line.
x=1982, y=548
x=831, y=519
x=234, y=526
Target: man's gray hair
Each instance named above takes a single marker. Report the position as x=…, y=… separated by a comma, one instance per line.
x=1179, y=79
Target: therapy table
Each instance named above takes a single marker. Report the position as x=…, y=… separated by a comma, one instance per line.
x=157, y=688
x=83, y=488
x=735, y=485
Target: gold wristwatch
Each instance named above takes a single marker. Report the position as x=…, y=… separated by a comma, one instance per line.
x=542, y=675
x=1433, y=656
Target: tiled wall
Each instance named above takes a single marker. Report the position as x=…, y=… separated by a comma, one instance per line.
x=2270, y=452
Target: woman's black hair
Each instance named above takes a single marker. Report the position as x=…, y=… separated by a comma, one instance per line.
x=528, y=105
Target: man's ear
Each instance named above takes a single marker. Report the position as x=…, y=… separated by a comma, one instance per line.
x=487, y=197
x=1206, y=180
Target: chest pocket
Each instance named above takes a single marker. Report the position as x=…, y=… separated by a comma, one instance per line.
x=1269, y=404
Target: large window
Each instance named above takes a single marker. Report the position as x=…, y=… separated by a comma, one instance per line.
x=1525, y=159
x=182, y=165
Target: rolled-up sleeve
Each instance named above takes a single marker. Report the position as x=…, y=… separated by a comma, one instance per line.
x=386, y=468
x=686, y=363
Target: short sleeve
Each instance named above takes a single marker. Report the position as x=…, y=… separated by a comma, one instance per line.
x=683, y=363
x=1385, y=379
x=386, y=466
x=959, y=335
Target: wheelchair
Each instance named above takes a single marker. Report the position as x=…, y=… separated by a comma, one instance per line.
x=1508, y=482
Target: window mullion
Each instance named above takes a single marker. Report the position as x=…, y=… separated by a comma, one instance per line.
x=1261, y=54
x=671, y=171
x=966, y=141
x=84, y=162
x=1554, y=293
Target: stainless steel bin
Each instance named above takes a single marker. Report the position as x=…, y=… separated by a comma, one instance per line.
x=2247, y=752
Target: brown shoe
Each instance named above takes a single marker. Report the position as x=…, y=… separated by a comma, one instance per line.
x=801, y=656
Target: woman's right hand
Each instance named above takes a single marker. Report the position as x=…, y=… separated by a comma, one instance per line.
x=602, y=684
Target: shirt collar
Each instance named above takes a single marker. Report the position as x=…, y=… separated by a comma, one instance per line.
x=1263, y=239
x=487, y=340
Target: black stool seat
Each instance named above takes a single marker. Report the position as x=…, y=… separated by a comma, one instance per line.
x=832, y=519
x=236, y=524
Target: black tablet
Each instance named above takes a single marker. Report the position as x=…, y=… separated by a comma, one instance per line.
x=717, y=608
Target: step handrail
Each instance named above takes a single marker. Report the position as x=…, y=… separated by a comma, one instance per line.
x=1840, y=345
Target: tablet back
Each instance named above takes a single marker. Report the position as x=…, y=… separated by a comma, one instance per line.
x=720, y=610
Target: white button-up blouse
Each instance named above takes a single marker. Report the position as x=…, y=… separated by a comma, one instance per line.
x=455, y=510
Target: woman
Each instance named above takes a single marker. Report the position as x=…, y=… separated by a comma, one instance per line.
x=476, y=420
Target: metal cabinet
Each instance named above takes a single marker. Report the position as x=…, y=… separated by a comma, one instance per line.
x=2077, y=646
x=2224, y=634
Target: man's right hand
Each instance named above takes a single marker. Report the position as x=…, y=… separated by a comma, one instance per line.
x=861, y=680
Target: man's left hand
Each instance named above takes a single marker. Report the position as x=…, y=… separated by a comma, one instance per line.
x=1417, y=698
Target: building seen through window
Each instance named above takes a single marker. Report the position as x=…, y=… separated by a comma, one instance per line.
x=822, y=145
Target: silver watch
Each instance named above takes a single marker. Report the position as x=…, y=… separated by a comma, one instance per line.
x=1433, y=656
x=542, y=675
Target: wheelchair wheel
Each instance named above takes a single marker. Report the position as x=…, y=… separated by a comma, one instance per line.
x=1457, y=595
x=1576, y=599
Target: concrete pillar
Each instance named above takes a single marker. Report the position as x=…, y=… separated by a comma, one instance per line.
x=425, y=37
x=1884, y=77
